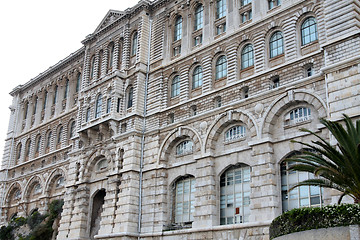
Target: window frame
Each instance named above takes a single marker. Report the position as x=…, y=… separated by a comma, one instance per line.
x=98, y=106
x=247, y=56
x=221, y=9
x=313, y=36
x=197, y=77
x=130, y=97
x=276, y=44
x=233, y=209
x=296, y=192
x=178, y=28
x=184, y=198
x=199, y=17
x=221, y=67
x=175, y=86
x=234, y=133
x=134, y=43
x=184, y=147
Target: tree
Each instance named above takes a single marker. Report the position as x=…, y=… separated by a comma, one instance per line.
x=338, y=166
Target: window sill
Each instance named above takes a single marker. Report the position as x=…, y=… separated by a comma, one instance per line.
x=291, y=125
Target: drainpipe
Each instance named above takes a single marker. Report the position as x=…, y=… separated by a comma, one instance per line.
x=144, y=128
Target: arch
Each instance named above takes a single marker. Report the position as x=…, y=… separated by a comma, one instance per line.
x=285, y=100
x=11, y=190
x=91, y=161
x=30, y=184
x=224, y=120
x=52, y=177
x=173, y=138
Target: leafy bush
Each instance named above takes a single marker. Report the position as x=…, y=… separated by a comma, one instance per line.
x=35, y=219
x=41, y=225
x=301, y=219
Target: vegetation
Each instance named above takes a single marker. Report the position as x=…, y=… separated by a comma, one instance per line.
x=39, y=224
x=301, y=219
x=337, y=166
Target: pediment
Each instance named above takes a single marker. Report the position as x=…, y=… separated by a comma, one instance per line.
x=110, y=17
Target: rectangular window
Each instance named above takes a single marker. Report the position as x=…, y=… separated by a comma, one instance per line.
x=221, y=29
x=220, y=8
x=177, y=50
x=198, y=40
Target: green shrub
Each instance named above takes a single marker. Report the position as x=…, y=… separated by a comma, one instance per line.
x=301, y=219
x=41, y=225
x=35, y=219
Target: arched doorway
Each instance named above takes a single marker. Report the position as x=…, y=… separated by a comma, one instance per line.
x=97, y=208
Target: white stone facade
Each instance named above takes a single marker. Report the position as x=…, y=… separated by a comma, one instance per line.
x=163, y=127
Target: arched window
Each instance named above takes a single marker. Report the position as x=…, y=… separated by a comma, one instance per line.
x=199, y=15
x=101, y=165
x=247, y=56
x=98, y=106
x=276, y=44
x=59, y=135
x=235, y=133
x=297, y=115
x=111, y=54
x=220, y=8
x=35, y=105
x=60, y=182
x=235, y=195
x=48, y=139
x=38, y=144
x=221, y=68
x=134, y=44
x=175, y=86
x=18, y=151
x=184, y=200
x=78, y=81
x=130, y=97
x=92, y=67
x=45, y=99
x=185, y=147
x=108, y=105
x=37, y=189
x=87, y=115
x=17, y=195
x=197, y=77
x=27, y=148
x=304, y=196
x=178, y=28
x=26, y=109
x=55, y=94
x=72, y=129
x=66, y=90
x=308, y=31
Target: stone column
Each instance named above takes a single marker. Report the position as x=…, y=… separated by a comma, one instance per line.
x=205, y=194
x=79, y=220
x=264, y=196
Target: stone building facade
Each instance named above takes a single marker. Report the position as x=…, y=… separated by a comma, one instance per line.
x=172, y=120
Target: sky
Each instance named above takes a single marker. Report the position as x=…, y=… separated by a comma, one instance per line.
x=38, y=34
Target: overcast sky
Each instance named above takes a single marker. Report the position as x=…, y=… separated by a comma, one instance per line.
x=36, y=34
